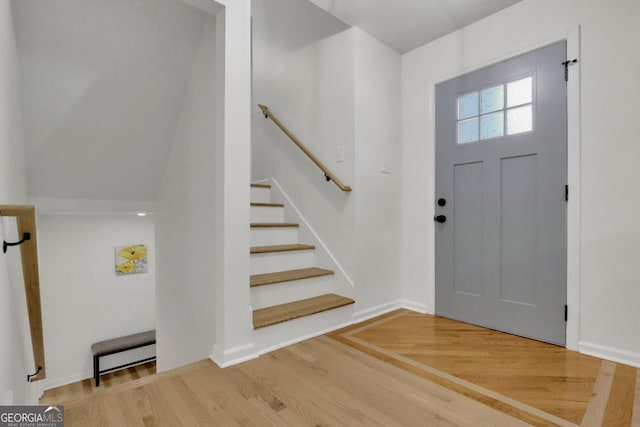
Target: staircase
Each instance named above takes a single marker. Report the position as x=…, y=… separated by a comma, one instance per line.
x=286, y=282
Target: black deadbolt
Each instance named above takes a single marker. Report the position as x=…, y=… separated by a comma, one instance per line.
x=440, y=218
x=442, y=202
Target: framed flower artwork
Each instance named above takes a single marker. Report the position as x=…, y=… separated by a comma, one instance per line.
x=131, y=259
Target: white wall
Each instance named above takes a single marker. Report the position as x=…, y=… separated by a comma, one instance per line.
x=233, y=325
x=15, y=358
x=83, y=301
x=609, y=246
x=185, y=234
x=377, y=172
x=304, y=73
x=203, y=208
x=12, y=160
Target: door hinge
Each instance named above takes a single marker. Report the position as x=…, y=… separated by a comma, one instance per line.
x=566, y=192
x=566, y=312
x=566, y=65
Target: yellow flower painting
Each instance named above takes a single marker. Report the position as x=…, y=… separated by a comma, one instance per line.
x=131, y=259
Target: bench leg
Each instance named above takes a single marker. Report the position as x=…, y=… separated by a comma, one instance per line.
x=96, y=370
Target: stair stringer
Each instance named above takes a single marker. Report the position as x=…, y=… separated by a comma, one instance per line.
x=343, y=285
x=276, y=336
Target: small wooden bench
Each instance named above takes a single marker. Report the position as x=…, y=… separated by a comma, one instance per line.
x=118, y=345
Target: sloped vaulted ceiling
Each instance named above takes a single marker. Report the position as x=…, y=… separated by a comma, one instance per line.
x=102, y=82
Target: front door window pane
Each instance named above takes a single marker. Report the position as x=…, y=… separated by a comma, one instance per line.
x=492, y=125
x=468, y=106
x=492, y=99
x=520, y=92
x=496, y=111
x=519, y=120
x=468, y=131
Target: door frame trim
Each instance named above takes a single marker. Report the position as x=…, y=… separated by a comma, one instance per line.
x=574, y=174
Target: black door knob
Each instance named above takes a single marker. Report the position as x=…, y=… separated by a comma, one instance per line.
x=440, y=218
x=441, y=202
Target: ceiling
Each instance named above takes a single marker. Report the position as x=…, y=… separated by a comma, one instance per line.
x=407, y=24
x=102, y=83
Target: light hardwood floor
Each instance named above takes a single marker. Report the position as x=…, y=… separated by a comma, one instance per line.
x=86, y=387
x=402, y=369
x=533, y=381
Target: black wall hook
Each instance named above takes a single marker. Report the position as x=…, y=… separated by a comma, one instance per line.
x=5, y=245
x=31, y=376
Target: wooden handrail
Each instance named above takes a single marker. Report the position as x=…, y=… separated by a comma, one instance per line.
x=327, y=173
x=26, y=219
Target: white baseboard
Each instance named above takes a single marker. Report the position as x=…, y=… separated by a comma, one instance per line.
x=372, y=312
x=414, y=306
x=232, y=356
x=610, y=353
x=228, y=358
x=48, y=384
x=302, y=338
x=36, y=392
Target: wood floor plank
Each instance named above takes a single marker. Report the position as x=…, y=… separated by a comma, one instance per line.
x=267, y=205
x=339, y=410
x=129, y=411
x=97, y=392
x=163, y=409
x=282, y=392
x=621, y=397
x=256, y=402
x=396, y=384
x=636, y=403
x=116, y=414
x=186, y=403
x=218, y=397
x=293, y=310
x=280, y=248
x=288, y=276
x=359, y=397
x=92, y=414
x=87, y=386
x=594, y=415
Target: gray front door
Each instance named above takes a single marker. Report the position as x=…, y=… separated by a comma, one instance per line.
x=501, y=171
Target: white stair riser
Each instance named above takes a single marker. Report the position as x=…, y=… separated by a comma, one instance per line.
x=281, y=334
x=281, y=293
x=267, y=214
x=274, y=236
x=281, y=261
x=260, y=195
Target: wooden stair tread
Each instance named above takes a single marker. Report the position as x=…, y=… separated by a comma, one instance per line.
x=280, y=248
x=268, y=205
x=273, y=225
x=261, y=185
x=293, y=310
x=288, y=276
